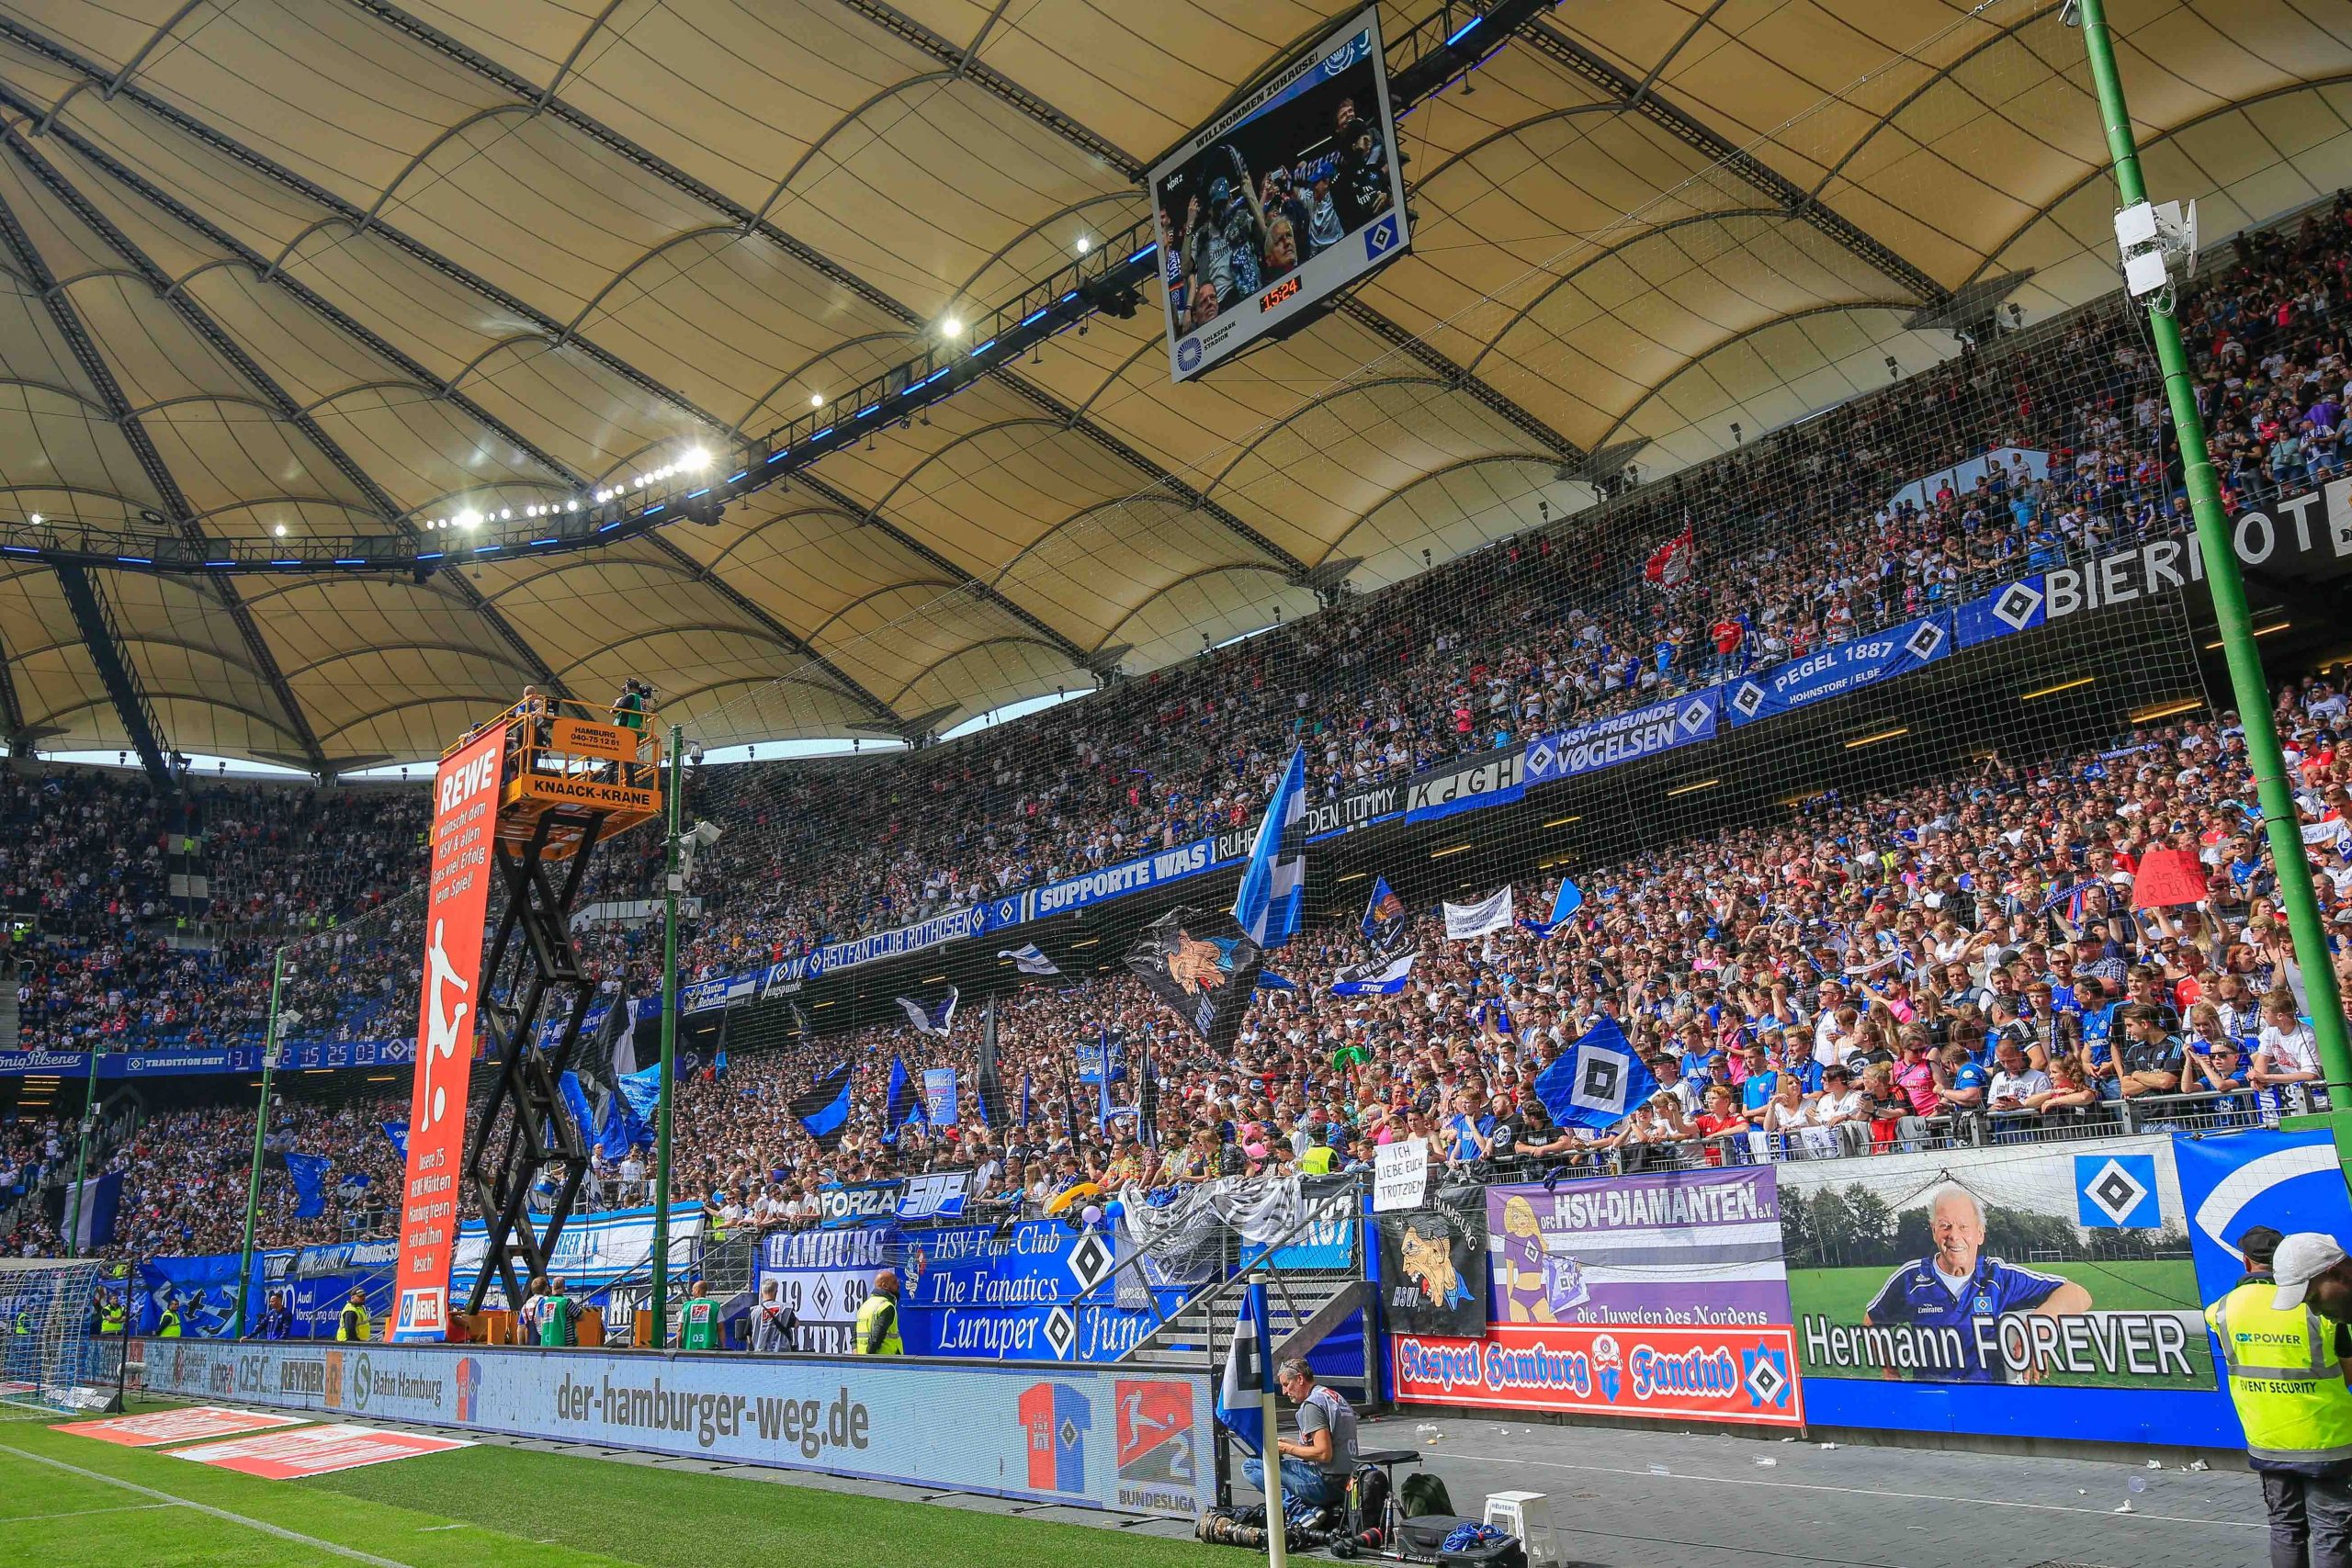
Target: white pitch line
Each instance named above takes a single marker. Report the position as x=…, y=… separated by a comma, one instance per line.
x=1861, y=1491
x=81, y=1513
x=169, y=1500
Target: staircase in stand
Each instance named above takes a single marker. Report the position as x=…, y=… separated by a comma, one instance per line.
x=1303, y=1306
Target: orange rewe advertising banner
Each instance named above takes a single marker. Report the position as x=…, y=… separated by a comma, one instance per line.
x=465, y=822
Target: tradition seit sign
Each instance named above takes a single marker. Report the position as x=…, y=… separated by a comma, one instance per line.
x=1743, y=1376
x=1089, y=1437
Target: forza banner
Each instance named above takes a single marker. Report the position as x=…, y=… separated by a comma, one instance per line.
x=465, y=822
x=1743, y=1376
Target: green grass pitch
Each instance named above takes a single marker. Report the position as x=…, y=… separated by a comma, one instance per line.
x=490, y=1505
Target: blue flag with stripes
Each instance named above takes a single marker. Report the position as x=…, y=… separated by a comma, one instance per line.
x=1270, y=902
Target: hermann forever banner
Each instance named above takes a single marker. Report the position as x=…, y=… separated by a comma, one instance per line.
x=465, y=824
x=2059, y=1264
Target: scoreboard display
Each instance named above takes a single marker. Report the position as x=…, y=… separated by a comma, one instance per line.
x=1293, y=193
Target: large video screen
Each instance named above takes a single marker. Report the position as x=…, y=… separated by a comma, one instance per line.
x=1291, y=193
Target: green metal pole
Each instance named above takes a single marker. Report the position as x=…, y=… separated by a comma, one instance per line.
x=671, y=879
x=261, y=1130
x=2252, y=692
x=82, y=1158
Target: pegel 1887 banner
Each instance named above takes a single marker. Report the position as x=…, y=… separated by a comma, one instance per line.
x=1089, y=1437
x=465, y=824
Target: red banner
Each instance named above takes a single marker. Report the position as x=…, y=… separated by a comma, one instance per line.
x=1743, y=1375
x=465, y=821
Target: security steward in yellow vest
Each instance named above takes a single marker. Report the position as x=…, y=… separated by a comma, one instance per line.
x=2284, y=1349
x=352, y=1325
x=877, y=1320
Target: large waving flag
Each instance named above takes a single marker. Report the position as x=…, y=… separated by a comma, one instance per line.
x=575, y=1100
x=1567, y=902
x=1376, y=978
x=309, y=1176
x=902, y=1104
x=1269, y=905
x=1028, y=959
x=1596, y=1081
x=988, y=1082
x=642, y=1092
x=822, y=1109
x=1202, y=967
x=1385, y=918
x=398, y=1133
x=929, y=1018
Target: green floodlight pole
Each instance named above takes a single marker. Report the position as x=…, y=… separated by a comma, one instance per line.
x=82, y=1159
x=2280, y=820
x=671, y=879
x=261, y=1129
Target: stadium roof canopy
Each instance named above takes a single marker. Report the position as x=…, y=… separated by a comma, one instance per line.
x=293, y=265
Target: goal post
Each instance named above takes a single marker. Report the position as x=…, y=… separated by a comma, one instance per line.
x=53, y=1357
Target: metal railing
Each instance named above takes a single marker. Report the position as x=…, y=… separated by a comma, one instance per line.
x=2207, y=1110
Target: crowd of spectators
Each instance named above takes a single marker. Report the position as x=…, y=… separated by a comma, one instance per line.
x=1959, y=961
x=1740, y=958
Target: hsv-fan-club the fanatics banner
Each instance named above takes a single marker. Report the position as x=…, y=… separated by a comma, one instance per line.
x=1745, y=1375
x=465, y=824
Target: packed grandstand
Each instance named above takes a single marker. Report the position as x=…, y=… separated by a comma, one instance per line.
x=1958, y=955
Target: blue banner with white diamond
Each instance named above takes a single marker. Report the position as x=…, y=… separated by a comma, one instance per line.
x=1840, y=671
x=1627, y=737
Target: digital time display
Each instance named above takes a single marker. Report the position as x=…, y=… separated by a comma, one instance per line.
x=1280, y=292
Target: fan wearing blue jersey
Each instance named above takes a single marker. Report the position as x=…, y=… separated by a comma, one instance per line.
x=1957, y=1285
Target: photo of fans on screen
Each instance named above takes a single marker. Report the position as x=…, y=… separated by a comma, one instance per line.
x=1252, y=207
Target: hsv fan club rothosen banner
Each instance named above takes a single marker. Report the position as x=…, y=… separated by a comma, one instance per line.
x=1745, y=1375
x=465, y=822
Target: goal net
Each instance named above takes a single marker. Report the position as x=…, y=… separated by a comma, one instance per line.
x=52, y=1358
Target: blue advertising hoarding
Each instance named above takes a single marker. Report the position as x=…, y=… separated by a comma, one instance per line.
x=1088, y=1437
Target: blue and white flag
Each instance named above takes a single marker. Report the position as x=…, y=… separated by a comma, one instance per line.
x=1567, y=902
x=900, y=1103
x=929, y=1018
x=575, y=1100
x=91, y=1208
x=939, y=1095
x=642, y=1092
x=1269, y=905
x=1240, y=1407
x=1028, y=959
x=309, y=1176
x=1374, y=979
x=398, y=1133
x=1025, y=1108
x=822, y=1109
x=1596, y=1081
x=1268, y=981
x=1385, y=920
